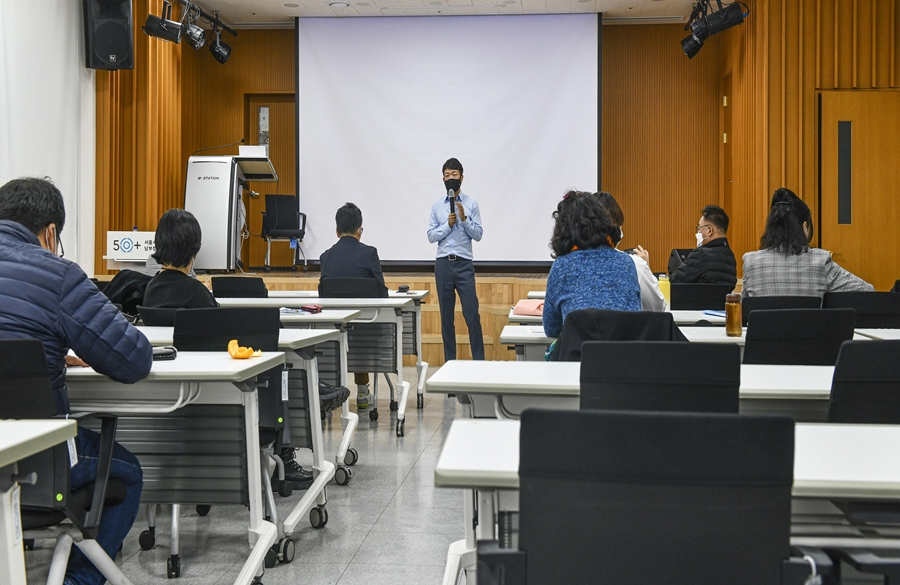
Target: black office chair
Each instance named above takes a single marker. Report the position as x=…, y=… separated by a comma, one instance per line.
x=677, y=257
x=896, y=287
x=49, y=501
x=283, y=221
x=660, y=376
x=698, y=297
x=777, y=302
x=240, y=287
x=873, y=309
x=804, y=337
x=156, y=316
x=628, y=498
x=349, y=288
x=603, y=325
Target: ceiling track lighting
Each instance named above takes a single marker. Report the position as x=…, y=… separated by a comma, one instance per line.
x=163, y=27
x=704, y=24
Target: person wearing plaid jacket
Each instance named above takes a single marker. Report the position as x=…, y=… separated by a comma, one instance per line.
x=785, y=263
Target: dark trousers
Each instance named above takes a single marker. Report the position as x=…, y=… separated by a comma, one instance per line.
x=452, y=277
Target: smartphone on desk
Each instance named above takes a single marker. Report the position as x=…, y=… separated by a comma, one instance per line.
x=166, y=352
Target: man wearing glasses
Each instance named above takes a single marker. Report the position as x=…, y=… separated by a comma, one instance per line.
x=455, y=221
x=44, y=297
x=712, y=261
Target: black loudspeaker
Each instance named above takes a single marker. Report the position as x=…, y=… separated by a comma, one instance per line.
x=108, y=34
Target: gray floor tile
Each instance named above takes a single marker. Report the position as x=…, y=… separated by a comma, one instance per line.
x=387, y=548
x=420, y=495
x=328, y=545
x=299, y=572
x=421, y=520
x=366, y=574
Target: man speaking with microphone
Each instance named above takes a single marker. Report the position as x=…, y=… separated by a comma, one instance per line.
x=456, y=221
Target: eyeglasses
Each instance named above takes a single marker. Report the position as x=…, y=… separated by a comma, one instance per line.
x=701, y=227
x=60, y=251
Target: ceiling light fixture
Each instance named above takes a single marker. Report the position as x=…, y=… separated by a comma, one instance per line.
x=339, y=4
x=219, y=50
x=703, y=24
x=163, y=27
x=196, y=36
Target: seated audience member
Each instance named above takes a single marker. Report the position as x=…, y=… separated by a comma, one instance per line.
x=177, y=245
x=350, y=258
x=712, y=261
x=588, y=273
x=785, y=263
x=652, y=298
x=43, y=296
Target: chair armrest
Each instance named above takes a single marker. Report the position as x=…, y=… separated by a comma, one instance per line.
x=301, y=220
x=798, y=570
x=108, y=424
x=501, y=566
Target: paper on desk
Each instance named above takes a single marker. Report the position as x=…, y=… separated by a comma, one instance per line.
x=292, y=311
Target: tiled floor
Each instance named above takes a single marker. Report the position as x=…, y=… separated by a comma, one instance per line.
x=388, y=525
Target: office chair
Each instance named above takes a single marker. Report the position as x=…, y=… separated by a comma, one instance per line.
x=873, y=309
x=629, y=498
x=676, y=258
x=698, y=297
x=604, y=325
x=241, y=287
x=49, y=501
x=777, y=302
x=349, y=288
x=806, y=337
x=282, y=221
x=211, y=330
x=660, y=376
x=896, y=287
x=156, y=316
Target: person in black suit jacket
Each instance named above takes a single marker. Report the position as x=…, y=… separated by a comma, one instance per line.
x=350, y=258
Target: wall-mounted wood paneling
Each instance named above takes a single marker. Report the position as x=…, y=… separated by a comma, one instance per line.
x=138, y=138
x=660, y=134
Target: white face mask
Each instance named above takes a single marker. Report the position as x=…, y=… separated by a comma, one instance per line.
x=621, y=237
x=699, y=237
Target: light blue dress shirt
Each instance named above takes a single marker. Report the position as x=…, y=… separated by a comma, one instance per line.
x=458, y=239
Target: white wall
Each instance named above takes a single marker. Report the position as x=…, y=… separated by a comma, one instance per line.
x=47, y=110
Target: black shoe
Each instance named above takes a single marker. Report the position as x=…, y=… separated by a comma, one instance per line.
x=293, y=473
x=332, y=397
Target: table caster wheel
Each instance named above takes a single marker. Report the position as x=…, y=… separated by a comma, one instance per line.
x=173, y=567
x=394, y=406
x=203, y=509
x=283, y=487
x=271, y=557
x=420, y=401
x=351, y=456
x=28, y=544
x=401, y=427
x=147, y=538
x=343, y=475
x=318, y=517
x=373, y=414
x=286, y=550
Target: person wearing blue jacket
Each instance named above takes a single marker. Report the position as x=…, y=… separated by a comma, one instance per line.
x=45, y=297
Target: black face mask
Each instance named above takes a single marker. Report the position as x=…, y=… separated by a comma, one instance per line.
x=452, y=184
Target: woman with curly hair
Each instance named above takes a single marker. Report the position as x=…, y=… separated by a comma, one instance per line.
x=786, y=264
x=589, y=273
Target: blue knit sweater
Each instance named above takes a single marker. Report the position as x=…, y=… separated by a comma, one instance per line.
x=589, y=279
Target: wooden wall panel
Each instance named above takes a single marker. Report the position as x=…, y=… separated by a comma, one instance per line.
x=660, y=134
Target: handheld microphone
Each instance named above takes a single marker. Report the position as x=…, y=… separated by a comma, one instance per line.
x=452, y=195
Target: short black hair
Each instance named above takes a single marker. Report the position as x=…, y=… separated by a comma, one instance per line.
x=716, y=216
x=453, y=164
x=582, y=221
x=615, y=212
x=348, y=219
x=34, y=203
x=784, y=226
x=177, y=238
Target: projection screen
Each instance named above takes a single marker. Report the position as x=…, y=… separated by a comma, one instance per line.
x=383, y=102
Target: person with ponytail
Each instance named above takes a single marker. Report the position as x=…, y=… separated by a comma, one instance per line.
x=786, y=264
x=588, y=273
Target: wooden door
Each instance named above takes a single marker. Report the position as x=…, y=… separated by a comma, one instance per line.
x=859, y=166
x=283, y=154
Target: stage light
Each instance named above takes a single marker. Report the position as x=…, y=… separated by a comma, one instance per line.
x=196, y=36
x=703, y=25
x=162, y=27
x=219, y=50
x=720, y=20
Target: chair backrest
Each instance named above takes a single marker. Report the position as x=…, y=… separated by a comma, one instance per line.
x=613, y=498
x=777, y=302
x=126, y=290
x=873, y=309
x=282, y=213
x=157, y=316
x=241, y=287
x=660, y=376
x=866, y=384
x=896, y=287
x=604, y=325
x=349, y=288
x=698, y=297
x=677, y=258
x=809, y=337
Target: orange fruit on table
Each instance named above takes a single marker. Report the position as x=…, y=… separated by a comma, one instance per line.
x=241, y=353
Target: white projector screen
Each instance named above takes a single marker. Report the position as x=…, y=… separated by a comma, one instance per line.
x=383, y=102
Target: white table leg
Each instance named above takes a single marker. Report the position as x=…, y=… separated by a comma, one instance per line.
x=12, y=553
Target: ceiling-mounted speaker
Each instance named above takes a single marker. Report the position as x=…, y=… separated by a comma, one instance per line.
x=108, y=34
